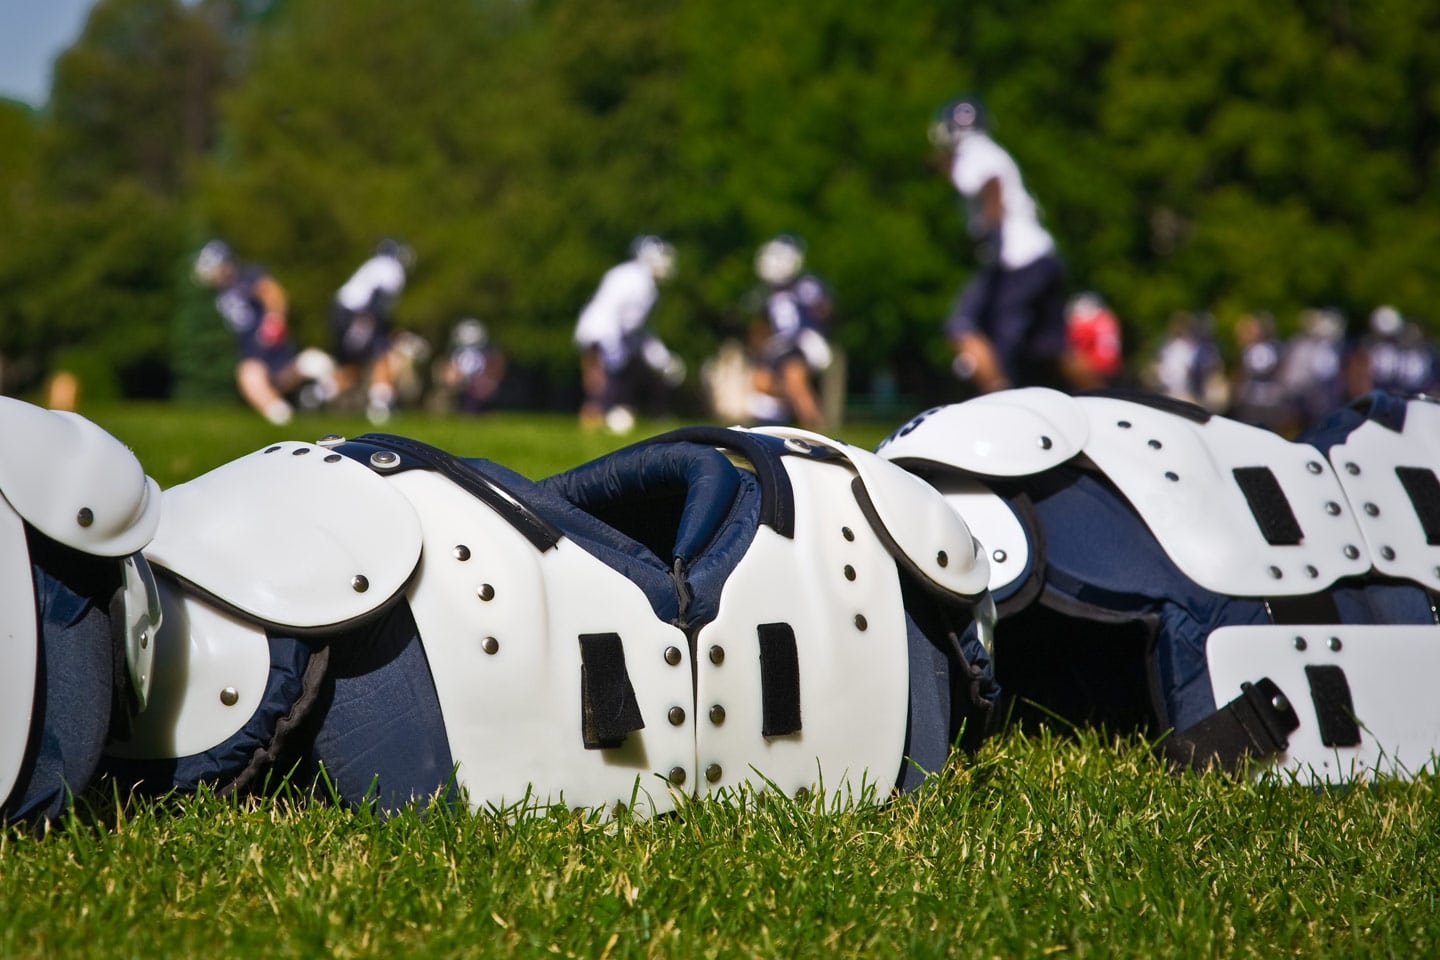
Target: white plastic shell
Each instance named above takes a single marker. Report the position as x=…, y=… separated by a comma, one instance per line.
x=1366, y=465
x=1177, y=474
x=19, y=635
x=141, y=617
x=1013, y=433
x=500, y=622
x=74, y=482
x=207, y=678
x=836, y=586
x=294, y=535
x=1390, y=671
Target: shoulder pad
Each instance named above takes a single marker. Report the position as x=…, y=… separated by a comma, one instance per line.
x=1239, y=509
x=1384, y=470
x=293, y=535
x=1013, y=433
x=74, y=482
x=919, y=528
x=18, y=634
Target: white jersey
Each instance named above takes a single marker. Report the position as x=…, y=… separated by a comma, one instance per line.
x=617, y=311
x=978, y=159
x=382, y=274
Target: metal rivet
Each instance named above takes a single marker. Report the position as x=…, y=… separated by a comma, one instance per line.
x=1372, y=510
x=144, y=639
x=229, y=696
x=1387, y=553
x=1332, y=508
x=85, y=517
x=1123, y=424
x=1335, y=644
x=1046, y=443
x=713, y=773
x=796, y=444
x=942, y=558
x=359, y=583
x=330, y=440
x=717, y=714
x=1311, y=572
x=461, y=552
x=1275, y=573
x=676, y=716
x=847, y=533
x=860, y=622
x=1279, y=702
x=1171, y=475
x=1353, y=469
x=677, y=775
x=999, y=556
x=1154, y=444
x=299, y=451
x=490, y=645
x=1300, y=643
x=384, y=459
x=849, y=572
x=1312, y=466
x=333, y=458
x=272, y=449
x=672, y=655
x=485, y=592
x=717, y=654
x=1351, y=551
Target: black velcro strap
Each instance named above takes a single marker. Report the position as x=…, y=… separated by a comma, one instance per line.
x=608, y=707
x=1423, y=489
x=1335, y=711
x=1267, y=502
x=1255, y=724
x=1305, y=608
x=779, y=680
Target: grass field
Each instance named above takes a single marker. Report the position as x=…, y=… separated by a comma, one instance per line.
x=1040, y=845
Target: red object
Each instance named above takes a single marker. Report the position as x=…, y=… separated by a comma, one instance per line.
x=1094, y=333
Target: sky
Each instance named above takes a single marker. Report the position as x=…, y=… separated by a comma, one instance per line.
x=32, y=34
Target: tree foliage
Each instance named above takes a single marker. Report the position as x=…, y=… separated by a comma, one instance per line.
x=1222, y=156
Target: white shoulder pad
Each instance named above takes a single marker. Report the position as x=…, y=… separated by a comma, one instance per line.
x=994, y=524
x=1201, y=486
x=19, y=634
x=504, y=628
x=1391, y=480
x=74, y=482
x=1374, y=686
x=293, y=535
x=1013, y=433
x=922, y=531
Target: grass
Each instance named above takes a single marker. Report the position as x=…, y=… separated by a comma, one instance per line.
x=1038, y=845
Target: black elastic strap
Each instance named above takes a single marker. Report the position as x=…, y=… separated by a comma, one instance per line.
x=1269, y=506
x=1423, y=489
x=1335, y=711
x=1255, y=724
x=608, y=707
x=779, y=680
x=1307, y=608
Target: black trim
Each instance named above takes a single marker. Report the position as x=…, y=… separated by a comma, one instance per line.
x=1181, y=408
x=779, y=680
x=1307, y=608
x=506, y=502
x=1255, y=724
x=608, y=708
x=1423, y=489
x=1269, y=505
x=1335, y=711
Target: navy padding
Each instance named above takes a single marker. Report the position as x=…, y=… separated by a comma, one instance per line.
x=382, y=735
x=777, y=497
x=927, y=730
x=225, y=761
x=1387, y=409
x=1100, y=553
x=706, y=480
x=73, y=696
